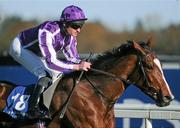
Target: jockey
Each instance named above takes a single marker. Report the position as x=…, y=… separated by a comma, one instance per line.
x=37, y=48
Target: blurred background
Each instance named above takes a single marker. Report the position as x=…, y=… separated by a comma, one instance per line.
x=110, y=23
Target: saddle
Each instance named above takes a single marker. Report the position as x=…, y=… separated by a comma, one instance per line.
x=17, y=103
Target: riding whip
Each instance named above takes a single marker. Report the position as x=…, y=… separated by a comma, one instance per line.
x=63, y=110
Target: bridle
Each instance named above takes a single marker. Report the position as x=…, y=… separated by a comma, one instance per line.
x=149, y=89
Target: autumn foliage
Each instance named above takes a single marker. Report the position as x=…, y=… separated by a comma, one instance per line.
x=96, y=38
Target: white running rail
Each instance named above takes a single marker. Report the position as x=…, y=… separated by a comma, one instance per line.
x=147, y=112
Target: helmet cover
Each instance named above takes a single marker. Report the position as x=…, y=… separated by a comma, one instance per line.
x=72, y=13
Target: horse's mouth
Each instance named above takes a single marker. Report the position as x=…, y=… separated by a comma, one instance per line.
x=165, y=101
x=161, y=101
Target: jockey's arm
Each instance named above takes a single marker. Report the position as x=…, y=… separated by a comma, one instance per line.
x=71, y=54
x=70, y=51
x=48, y=51
x=46, y=46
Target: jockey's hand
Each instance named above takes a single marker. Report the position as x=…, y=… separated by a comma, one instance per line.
x=85, y=66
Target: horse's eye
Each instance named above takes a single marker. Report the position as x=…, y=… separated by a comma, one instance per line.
x=148, y=65
x=147, y=61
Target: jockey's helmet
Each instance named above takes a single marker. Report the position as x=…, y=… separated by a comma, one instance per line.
x=72, y=13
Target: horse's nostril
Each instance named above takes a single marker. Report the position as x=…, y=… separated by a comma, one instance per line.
x=168, y=98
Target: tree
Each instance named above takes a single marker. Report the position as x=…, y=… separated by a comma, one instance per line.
x=9, y=29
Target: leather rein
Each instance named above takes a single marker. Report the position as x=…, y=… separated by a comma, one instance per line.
x=109, y=100
x=140, y=68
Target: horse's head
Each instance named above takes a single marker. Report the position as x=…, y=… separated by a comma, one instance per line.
x=149, y=75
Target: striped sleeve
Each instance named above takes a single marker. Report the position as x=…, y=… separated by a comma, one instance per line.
x=70, y=51
x=46, y=40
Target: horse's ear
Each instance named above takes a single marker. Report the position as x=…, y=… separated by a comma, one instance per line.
x=138, y=47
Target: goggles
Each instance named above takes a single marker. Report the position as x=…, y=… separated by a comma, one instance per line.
x=76, y=24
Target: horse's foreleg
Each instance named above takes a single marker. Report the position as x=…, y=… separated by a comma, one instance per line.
x=110, y=121
x=111, y=124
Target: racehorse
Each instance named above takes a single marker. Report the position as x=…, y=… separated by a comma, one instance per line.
x=112, y=72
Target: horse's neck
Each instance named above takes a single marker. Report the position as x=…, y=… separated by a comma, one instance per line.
x=122, y=68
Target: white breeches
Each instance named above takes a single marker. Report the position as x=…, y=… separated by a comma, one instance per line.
x=31, y=61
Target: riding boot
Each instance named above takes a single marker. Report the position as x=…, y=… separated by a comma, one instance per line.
x=34, y=102
x=34, y=109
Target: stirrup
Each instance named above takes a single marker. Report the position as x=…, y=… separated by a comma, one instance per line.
x=36, y=113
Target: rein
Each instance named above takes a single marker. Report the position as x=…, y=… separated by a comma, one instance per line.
x=111, y=75
x=101, y=93
x=127, y=82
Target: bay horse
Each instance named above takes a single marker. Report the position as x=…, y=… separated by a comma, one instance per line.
x=92, y=102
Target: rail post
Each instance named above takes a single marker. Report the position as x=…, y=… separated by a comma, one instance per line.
x=148, y=123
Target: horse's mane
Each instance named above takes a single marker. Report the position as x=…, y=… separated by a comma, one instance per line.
x=113, y=54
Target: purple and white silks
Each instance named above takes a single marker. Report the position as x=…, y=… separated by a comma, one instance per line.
x=48, y=40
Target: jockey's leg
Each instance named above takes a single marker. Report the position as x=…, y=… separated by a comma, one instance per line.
x=42, y=84
x=27, y=58
x=32, y=63
x=35, y=65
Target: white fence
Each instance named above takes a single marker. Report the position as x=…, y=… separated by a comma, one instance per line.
x=147, y=112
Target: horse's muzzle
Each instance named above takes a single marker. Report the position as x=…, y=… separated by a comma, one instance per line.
x=165, y=101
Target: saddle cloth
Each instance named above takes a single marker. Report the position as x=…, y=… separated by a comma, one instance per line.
x=18, y=101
